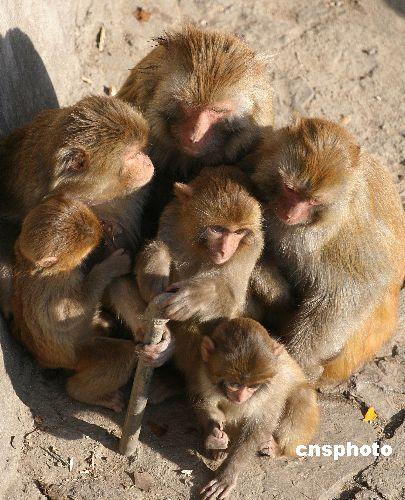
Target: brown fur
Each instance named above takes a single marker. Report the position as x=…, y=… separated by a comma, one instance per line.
x=198, y=68
x=346, y=264
x=284, y=406
x=55, y=302
x=211, y=291
x=88, y=152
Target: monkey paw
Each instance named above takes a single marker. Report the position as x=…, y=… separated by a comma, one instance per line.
x=216, y=440
x=219, y=487
x=218, y=455
x=114, y=401
x=157, y=354
x=270, y=448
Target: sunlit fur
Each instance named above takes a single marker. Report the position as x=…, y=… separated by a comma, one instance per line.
x=55, y=305
x=197, y=67
x=218, y=196
x=41, y=158
x=53, y=227
x=284, y=406
x=346, y=262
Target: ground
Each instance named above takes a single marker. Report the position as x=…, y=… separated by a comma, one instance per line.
x=328, y=58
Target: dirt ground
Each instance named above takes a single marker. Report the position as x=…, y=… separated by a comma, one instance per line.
x=330, y=58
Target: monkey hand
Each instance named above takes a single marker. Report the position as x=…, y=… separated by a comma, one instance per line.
x=220, y=487
x=188, y=299
x=156, y=354
x=152, y=285
x=117, y=264
x=217, y=439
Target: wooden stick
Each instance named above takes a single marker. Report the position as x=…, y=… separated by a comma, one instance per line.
x=129, y=441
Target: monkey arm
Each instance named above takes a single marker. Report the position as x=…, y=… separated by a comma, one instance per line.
x=217, y=293
x=267, y=283
x=324, y=320
x=253, y=432
x=152, y=269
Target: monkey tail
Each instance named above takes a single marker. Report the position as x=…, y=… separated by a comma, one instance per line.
x=300, y=420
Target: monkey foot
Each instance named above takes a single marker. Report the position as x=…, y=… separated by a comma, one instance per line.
x=114, y=401
x=161, y=392
x=219, y=488
x=270, y=448
x=216, y=443
x=218, y=455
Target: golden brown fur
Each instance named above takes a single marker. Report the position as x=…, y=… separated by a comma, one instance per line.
x=55, y=301
x=91, y=151
x=284, y=406
x=346, y=262
x=219, y=197
x=195, y=68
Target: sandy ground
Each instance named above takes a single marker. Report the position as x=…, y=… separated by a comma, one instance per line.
x=330, y=58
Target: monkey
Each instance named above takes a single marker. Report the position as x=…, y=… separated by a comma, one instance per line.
x=248, y=394
x=55, y=301
x=208, y=242
x=92, y=152
x=205, y=95
x=336, y=227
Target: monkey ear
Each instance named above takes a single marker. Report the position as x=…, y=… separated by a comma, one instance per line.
x=277, y=349
x=207, y=348
x=183, y=192
x=47, y=262
x=73, y=160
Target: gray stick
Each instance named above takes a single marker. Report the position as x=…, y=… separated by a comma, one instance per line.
x=140, y=389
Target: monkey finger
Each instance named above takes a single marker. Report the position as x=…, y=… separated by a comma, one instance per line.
x=178, y=285
x=174, y=299
x=179, y=313
x=209, y=490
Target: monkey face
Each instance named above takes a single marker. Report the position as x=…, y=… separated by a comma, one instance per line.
x=293, y=208
x=94, y=177
x=199, y=129
x=238, y=393
x=223, y=242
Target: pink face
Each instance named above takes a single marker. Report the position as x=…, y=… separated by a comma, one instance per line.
x=239, y=394
x=196, y=130
x=293, y=208
x=222, y=243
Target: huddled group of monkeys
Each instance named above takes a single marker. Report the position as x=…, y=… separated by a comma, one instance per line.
x=296, y=229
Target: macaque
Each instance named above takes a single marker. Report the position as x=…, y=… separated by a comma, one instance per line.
x=208, y=242
x=91, y=152
x=249, y=395
x=205, y=95
x=337, y=229
x=55, y=302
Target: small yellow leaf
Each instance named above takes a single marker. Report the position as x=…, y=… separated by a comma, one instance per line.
x=370, y=415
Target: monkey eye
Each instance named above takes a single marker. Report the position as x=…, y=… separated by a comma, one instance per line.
x=241, y=231
x=233, y=386
x=254, y=386
x=217, y=229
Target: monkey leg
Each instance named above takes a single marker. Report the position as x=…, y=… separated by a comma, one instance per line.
x=299, y=421
x=269, y=448
x=104, y=365
x=123, y=296
x=366, y=341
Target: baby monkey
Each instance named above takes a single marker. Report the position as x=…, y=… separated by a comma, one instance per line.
x=208, y=242
x=55, y=302
x=249, y=395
